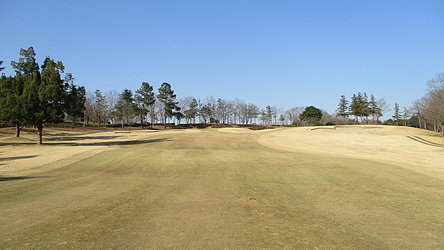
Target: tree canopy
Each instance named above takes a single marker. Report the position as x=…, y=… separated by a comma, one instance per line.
x=38, y=95
x=312, y=115
x=168, y=99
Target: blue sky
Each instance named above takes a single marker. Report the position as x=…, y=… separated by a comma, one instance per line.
x=282, y=53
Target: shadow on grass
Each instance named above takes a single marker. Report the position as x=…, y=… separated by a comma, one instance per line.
x=63, y=134
x=17, y=157
x=104, y=143
x=77, y=138
x=15, y=178
x=426, y=142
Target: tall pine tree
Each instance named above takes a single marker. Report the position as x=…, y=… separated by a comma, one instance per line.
x=342, y=110
x=145, y=100
x=75, y=102
x=192, y=111
x=45, y=96
x=397, y=115
x=13, y=104
x=11, y=101
x=375, y=110
x=168, y=99
x=125, y=106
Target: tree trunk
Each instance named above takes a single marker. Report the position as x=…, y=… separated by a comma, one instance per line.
x=17, y=129
x=441, y=129
x=40, y=134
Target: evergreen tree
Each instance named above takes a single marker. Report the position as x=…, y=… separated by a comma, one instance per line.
x=375, y=110
x=192, y=111
x=99, y=107
x=268, y=114
x=359, y=106
x=145, y=100
x=168, y=99
x=354, y=106
x=11, y=101
x=396, y=116
x=27, y=64
x=312, y=115
x=342, y=107
x=13, y=105
x=206, y=112
x=365, y=109
x=176, y=113
x=76, y=97
x=45, y=96
x=125, y=106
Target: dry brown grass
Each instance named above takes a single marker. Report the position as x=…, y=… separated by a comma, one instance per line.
x=416, y=149
x=224, y=188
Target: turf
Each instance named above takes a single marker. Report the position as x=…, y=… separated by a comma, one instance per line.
x=219, y=188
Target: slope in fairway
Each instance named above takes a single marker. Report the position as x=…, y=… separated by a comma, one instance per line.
x=225, y=188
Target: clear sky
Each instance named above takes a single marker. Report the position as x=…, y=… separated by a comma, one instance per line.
x=282, y=53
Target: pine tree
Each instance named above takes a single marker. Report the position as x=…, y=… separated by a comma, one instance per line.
x=168, y=98
x=99, y=106
x=145, y=100
x=27, y=64
x=125, y=106
x=268, y=114
x=312, y=115
x=359, y=106
x=45, y=96
x=365, y=109
x=76, y=97
x=176, y=113
x=342, y=108
x=206, y=112
x=373, y=107
x=354, y=106
x=192, y=111
x=11, y=101
x=396, y=116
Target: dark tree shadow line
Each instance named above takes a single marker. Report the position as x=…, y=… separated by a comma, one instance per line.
x=17, y=157
x=78, y=138
x=104, y=143
x=426, y=142
x=15, y=178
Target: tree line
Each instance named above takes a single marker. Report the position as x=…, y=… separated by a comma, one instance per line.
x=41, y=94
x=429, y=109
x=361, y=107
x=144, y=107
x=425, y=113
